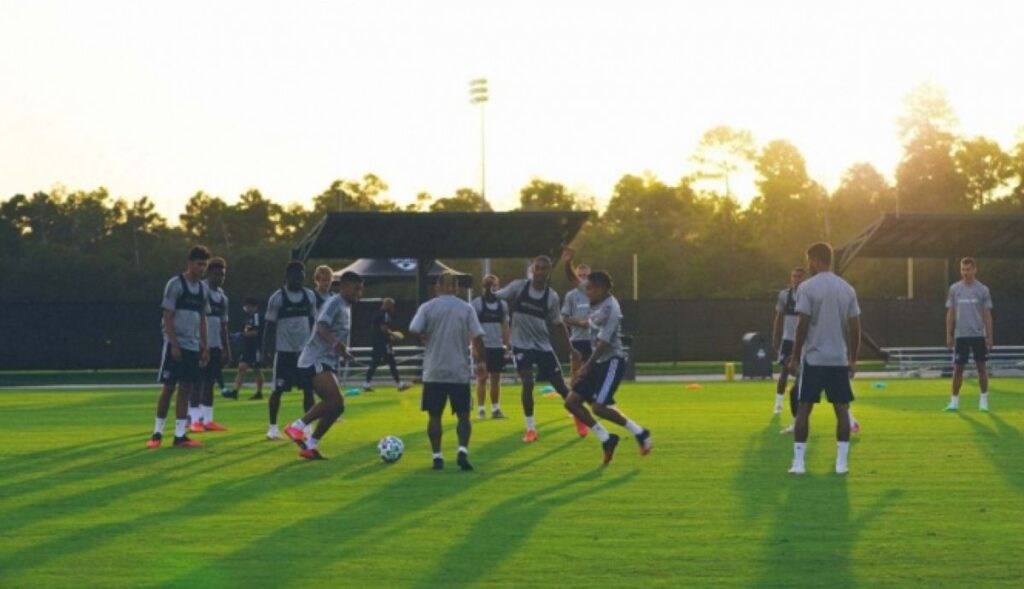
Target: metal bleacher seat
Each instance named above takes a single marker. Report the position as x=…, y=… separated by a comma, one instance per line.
x=918, y=360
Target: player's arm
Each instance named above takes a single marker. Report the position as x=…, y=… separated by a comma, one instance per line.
x=225, y=340
x=418, y=326
x=986, y=318
x=204, y=349
x=950, y=325
x=172, y=337
x=570, y=272
x=853, y=345
x=507, y=292
x=777, y=331
x=506, y=333
x=323, y=331
x=798, y=344
x=269, y=338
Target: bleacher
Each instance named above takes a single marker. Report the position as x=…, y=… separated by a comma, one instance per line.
x=917, y=361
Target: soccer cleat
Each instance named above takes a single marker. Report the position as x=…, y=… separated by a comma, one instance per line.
x=197, y=427
x=777, y=410
x=297, y=435
x=229, y=394
x=797, y=468
x=855, y=427
x=154, y=441
x=609, y=447
x=439, y=464
x=213, y=426
x=787, y=430
x=185, y=442
x=581, y=428
x=273, y=434
x=258, y=396
x=983, y=409
x=951, y=408
x=367, y=388
x=402, y=386
x=842, y=468
x=481, y=413
x=463, y=461
x=646, y=443
x=311, y=454
x=531, y=436
x=497, y=414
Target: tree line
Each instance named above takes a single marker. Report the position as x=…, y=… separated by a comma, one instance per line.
x=692, y=237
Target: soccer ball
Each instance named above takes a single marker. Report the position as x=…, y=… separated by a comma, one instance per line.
x=391, y=449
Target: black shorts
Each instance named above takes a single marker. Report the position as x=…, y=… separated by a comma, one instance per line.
x=546, y=362
x=287, y=375
x=306, y=373
x=970, y=346
x=494, y=358
x=785, y=352
x=834, y=380
x=584, y=347
x=212, y=372
x=251, y=353
x=185, y=370
x=381, y=352
x=437, y=394
x=600, y=383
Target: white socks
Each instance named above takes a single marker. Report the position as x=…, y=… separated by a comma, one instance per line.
x=531, y=424
x=179, y=427
x=602, y=434
x=842, y=457
x=299, y=424
x=464, y=450
x=798, y=452
x=634, y=428
x=495, y=406
x=312, y=443
x=438, y=455
x=779, y=399
x=983, y=400
x=206, y=412
x=159, y=427
x=954, y=401
x=308, y=430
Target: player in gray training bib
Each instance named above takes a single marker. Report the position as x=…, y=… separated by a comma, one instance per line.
x=219, y=343
x=534, y=307
x=290, y=315
x=576, y=308
x=493, y=316
x=969, y=330
x=783, y=334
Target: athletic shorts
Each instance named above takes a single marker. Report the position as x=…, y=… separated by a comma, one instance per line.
x=494, y=358
x=306, y=373
x=785, y=352
x=546, y=362
x=584, y=347
x=833, y=380
x=600, y=383
x=437, y=394
x=287, y=375
x=381, y=352
x=970, y=346
x=211, y=373
x=185, y=370
x=251, y=353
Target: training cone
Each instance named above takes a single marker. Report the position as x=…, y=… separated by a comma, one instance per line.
x=879, y=385
x=693, y=387
x=547, y=389
x=353, y=392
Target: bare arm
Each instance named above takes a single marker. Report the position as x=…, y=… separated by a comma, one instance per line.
x=987, y=318
x=798, y=344
x=226, y=342
x=777, y=330
x=269, y=339
x=323, y=331
x=172, y=337
x=570, y=272
x=478, y=349
x=853, y=346
x=950, y=324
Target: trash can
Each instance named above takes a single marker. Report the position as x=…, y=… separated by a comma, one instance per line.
x=757, y=357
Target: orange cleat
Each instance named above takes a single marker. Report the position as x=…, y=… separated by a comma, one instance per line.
x=154, y=441
x=311, y=454
x=581, y=428
x=185, y=442
x=297, y=435
x=213, y=426
x=197, y=427
x=531, y=436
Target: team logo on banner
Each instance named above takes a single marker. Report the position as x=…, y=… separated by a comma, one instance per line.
x=406, y=264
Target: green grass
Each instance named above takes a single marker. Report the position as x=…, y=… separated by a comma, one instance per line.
x=932, y=500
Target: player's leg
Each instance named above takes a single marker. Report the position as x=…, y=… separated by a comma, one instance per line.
x=257, y=368
x=375, y=359
x=842, y=411
x=188, y=381
x=961, y=351
x=167, y=376
x=211, y=373
x=432, y=402
x=585, y=390
x=810, y=386
x=461, y=400
x=195, y=417
x=393, y=369
x=495, y=378
x=980, y=352
x=243, y=368
x=481, y=390
x=551, y=370
x=324, y=413
x=524, y=364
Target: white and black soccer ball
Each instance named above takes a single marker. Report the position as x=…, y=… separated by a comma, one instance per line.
x=391, y=449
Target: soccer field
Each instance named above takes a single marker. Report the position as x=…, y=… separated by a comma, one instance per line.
x=932, y=500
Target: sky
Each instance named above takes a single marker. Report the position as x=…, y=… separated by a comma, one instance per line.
x=166, y=99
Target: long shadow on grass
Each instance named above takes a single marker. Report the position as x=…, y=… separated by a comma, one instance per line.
x=815, y=532
x=1004, y=446
x=505, y=527
x=754, y=480
x=348, y=530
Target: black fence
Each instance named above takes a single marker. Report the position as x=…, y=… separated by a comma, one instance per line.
x=36, y=336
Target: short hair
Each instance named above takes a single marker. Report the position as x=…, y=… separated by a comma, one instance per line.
x=542, y=258
x=968, y=261
x=251, y=301
x=323, y=269
x=198, y=253
x=447, y=279
x=217, y=262
x=582, y=266
x=799, y=269
x=350, y=277
x=600, y=278
x=294, y=266
x=821, y=252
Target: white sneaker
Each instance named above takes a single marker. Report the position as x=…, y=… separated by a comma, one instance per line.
x=797, y=468
x=481, y=413
x=273, y=433
x=777, y=410
x=787, y=430
x=403, y=385
x=842, y=467
x=983, y=406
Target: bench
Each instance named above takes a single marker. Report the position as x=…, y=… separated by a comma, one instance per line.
x=915, y=361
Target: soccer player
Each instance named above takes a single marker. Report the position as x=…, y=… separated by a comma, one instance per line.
x=291, y=313
x=185, y=351
x=323, y=276
x=319, y=361
x=382, y=336
x=599, y=376
x=447, y=325
x=535, y=309
x=783, y=332
x=825, y=352
x=493, y=317
x=219, y=343
x=251, y=354
x=575, y=314
x=969, y=330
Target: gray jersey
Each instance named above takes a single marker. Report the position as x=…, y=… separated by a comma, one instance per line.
x=577, y=306
x=449, y=325
x=336, y=314
x=530, y=332
x=829, y=302
x=969, y=302
x=492, y=328
x=190, y=307
x=294, y=318
x=606, y=322
x=217, y=318
x=787, y=307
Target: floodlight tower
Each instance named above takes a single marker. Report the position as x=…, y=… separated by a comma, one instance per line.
x=478, y=96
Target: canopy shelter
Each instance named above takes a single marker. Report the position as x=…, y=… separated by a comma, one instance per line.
x=399, y=270
x=946, y=236
x=429, y=236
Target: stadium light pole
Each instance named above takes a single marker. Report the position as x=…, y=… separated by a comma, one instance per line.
x=478, y=96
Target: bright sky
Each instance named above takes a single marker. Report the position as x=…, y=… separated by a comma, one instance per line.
x=164, y=99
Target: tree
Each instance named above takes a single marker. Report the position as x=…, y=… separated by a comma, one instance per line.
x=721, y=153
x=354, y=195
x=984, y=167
x=205, y=220
x=541, y=195
x=465, y=200
x=927, y=179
